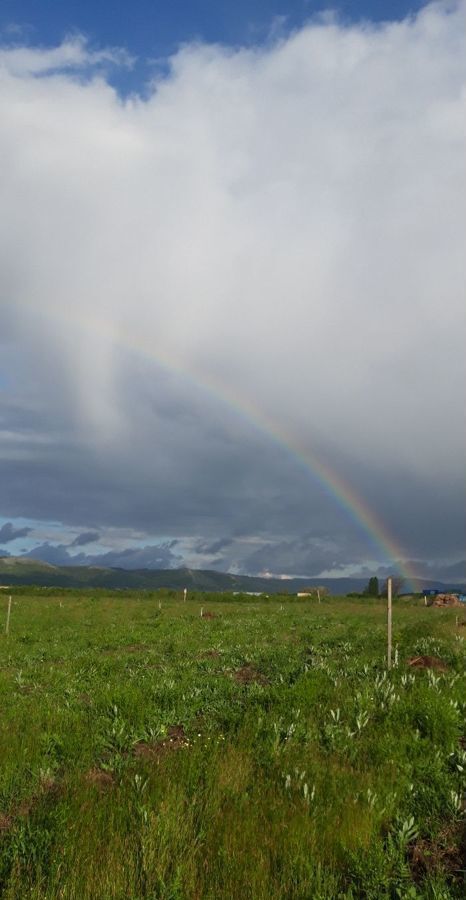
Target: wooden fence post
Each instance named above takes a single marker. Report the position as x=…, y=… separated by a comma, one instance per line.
x=389, y=622
x=7, y=626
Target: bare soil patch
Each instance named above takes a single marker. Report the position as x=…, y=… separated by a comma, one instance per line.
x=208, y=615
x=175, y=740
x=5, y=822
x=85, y=698
x=427, y=662
x=48, y=786
x=446, y=853
x=100, y=778
x=209, y=654
x=144, y=750
x=124, y=648
x=248, y=674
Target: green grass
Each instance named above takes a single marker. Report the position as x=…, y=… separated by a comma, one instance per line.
x=322, y=776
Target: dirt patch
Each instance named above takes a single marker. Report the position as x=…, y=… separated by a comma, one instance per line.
x=427, y=662
x=176, y=735
x=124, y=648
x=446, y=853
x=209, y=654
x=208, y=615
x=85, y=698
x=23, y=809
x=49, y=785
x=249, y=675
x=100, y=778
x=5, y=822
x=143, y=750
x=175, y=740
x=48, y=788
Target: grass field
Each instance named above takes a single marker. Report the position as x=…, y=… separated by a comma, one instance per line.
x=260, y=752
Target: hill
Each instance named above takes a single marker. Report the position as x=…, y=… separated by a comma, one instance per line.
x=19, y=570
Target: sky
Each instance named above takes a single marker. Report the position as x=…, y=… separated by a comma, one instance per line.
x=232, y=286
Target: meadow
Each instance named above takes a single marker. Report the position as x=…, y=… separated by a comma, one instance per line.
x=260, y=751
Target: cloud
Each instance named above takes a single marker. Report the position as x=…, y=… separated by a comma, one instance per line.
x=55, y=554
x=302, y=556
x=214, y=547
x=449, y=573
x=9, y=533
x=73, y=55
x=276, y=230
x=280, y=558
x=149, y=557
x=86, y=537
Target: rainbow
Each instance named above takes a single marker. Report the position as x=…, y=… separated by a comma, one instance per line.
x=337, y=488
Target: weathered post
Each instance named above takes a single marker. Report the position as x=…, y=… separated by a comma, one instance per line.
x=7, y=626
x=389, y=622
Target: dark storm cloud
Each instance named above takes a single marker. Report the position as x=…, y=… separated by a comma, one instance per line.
x=55, y=554
x=86, y=537
x=150, y=557
x=213, y=482
x=454, y=573
x=212, y=549
x=9, y=533
x=302, y=556
x=186, y=475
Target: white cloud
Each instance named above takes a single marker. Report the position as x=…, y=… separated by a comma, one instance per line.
x=286, y=222
x=73, y=54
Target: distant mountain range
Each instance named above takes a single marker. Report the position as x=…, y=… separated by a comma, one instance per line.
x=22, y=570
